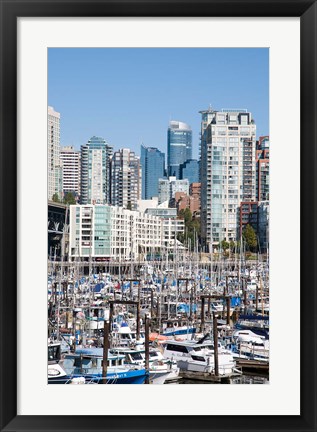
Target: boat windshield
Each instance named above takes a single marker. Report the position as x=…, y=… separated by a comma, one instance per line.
x=198, y=358
x=136, y=356
x=54, y=352
x=201, y=347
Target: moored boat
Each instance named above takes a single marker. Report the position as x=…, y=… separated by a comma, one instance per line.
x=191, y=356
x=88, y=362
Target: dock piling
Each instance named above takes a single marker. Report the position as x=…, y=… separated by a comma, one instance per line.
x=215, y=329
x=105, y=351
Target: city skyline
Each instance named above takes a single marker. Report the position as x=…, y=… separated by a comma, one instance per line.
x=128, y=96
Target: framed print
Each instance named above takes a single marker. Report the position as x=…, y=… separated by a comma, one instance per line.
x=33, y=36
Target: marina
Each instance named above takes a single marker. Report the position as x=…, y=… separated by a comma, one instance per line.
x=153, y=322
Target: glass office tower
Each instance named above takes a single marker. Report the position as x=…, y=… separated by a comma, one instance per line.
x=153, y=166
x=190, y=170
x=179, y=146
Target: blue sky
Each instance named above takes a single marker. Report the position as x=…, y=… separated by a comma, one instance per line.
x=128, y=95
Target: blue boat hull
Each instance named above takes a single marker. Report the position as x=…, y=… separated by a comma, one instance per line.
x=130, y=377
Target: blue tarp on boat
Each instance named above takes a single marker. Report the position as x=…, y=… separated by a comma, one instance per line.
x=185, y=308
x=98, y=287
x=235, y=301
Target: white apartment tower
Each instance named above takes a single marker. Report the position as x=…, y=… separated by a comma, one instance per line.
x=71, y=169
x=54, y=167
x=95, y=171
x=228, y=145
x=126, y=179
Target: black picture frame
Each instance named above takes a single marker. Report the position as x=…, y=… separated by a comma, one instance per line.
x=10, y=11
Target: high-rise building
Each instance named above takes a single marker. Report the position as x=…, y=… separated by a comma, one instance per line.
x=263, y=169
x=227, y=171
x=256, y=214
x=169, y=187
x=190, y=170
x=179, y=146
x=126, y=179
x=153, y=166
x=95, y=171
x=54, y=166
x=248, y=215
x=263, y=225
x=71, y=170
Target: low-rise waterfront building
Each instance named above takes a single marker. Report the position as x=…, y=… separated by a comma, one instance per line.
x=103, y=231
x=115, y=233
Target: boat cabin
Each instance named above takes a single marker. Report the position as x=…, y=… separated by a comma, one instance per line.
x=90, y=361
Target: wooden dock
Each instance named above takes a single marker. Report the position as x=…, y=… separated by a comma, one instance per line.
x=254, y=365
x=205, y=376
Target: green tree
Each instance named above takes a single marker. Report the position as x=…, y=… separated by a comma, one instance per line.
x=186, y=214
x=55, y=198
x=250, y=237
x=224, y=245
x=180, y=237
x=232, y=246
x=192, y=229
x=69, y=198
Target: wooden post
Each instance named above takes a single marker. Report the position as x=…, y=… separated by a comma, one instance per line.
x=55, y=301
x=261, y=293
x=245, y=299
x=202, y=319
x=74, y=331
x=158, y=299
x=214, y=322
x=228, y=309
x=256, y=298
x=227, y=287
x=152, y=305
x=195, y=300
x=110, y=313
x=208, y=310
x=66, y=315
x=147, y=350
x=138, y=320
x=105, y=351
x=190, y=300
